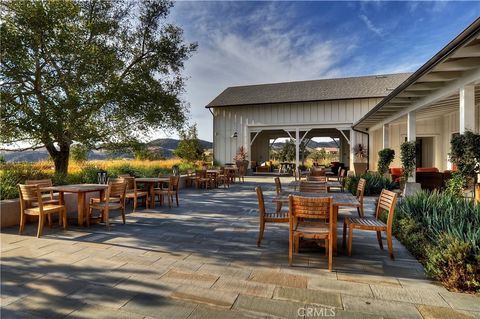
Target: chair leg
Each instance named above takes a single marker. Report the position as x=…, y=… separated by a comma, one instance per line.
x=297, y=245
x=123, y=214
x=135, y=200
x=41, y=221
x=169, y=201
x=176, y=197
x=49, y=218
x=22, y=223
x=379, y=238
x=279, y=207
x=106, y=218
x=260, y=233
x=290, y=249
x=390, y=245
x=330, y=255
x=359, y=212
x=345, y=226
x=64, y=216
x=350, y=240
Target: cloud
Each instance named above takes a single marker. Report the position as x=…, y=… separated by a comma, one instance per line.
x=262, y=46
x=378, y=31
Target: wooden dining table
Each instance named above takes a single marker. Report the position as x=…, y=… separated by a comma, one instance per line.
x=150, y=182
x=330, y=184
x=213, y=173
x=81, y=190
x=339, y=199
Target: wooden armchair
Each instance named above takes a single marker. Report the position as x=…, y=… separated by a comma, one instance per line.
x=222, y=178
x=317, y=178
x=310, y=218
x=360, y=192
x=114, y=199
x=265, y=217
x=202, y=180
x=278, y=189
x=313, y=187
x=170, y=191
x=132, y=192
x=386, y=202
x=31, y=193
x=190, y=178
x=44, y=183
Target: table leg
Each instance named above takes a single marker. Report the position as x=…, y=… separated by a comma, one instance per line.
x=152, y=195
x=81, y=208
x=335, y=217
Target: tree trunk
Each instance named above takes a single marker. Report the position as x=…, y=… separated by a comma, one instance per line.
x=60, y=157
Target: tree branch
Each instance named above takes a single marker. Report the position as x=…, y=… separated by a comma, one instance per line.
x=36, y=147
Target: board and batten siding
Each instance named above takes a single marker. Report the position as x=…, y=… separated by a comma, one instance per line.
x=244, y=119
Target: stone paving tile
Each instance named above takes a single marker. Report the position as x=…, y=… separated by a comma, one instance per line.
x=422, y=284
x=159, y=307
x=342, y=314
x=411, y=295
x=54, y=285
x=380, y=307
x=103, y=296
x=277, y=308
x=432, y=312
x=189, y=278
x=308, y=296
x=205, y=312
x=221, y=270
x=278, y=278
x=214, y=297
x=245, y=287
x=342, y=287
x=462, y=301
x=45, y=306
x=95, y=311
x=6, y=313
x=142, y=284
x=368, y=279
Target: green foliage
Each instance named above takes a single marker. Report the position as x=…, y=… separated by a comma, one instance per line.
x=454, y=263
x=465, y=153
x=287, y=152
x=79, y=153
x=442, y=230
x=143, y=153
x=102, y=72
x=189, y=148
x=319, y=155
x=13, y=174
x=374, y=183
x=455, y=185
x=385, y=158
x=2, y=159
x=408, y=155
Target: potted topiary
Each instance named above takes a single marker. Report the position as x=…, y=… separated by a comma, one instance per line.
x=241, y=158
x=385, y=158
x=361, y=154
x=408, y=156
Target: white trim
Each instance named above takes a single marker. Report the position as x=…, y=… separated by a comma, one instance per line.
x=341, y=131
x=256, y=134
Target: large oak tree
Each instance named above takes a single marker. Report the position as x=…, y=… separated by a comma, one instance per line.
x=90, y=72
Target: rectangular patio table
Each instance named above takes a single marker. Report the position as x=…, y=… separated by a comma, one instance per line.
x=295, y=184
x=151, y=181
x=81, y=190
x=339, y=199
x=213, y=173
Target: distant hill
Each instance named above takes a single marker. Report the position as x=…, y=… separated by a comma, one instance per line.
x=166, y=145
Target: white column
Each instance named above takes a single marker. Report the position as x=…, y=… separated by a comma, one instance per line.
x=297, y=148
x=411, y=135
x=467, y=109
x=353, y=142
x=386, y=136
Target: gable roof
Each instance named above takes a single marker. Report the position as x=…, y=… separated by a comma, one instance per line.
x=315, y=90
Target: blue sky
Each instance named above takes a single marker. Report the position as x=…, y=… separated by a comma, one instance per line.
x=243, y=43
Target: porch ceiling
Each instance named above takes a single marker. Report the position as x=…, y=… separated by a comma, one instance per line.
x=433, y=87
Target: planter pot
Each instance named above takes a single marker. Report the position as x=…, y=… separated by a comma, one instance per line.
x=360, y=168
x=411, y=188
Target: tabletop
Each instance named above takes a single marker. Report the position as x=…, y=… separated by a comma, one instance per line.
x=152, y=179
x=339, y=199
x=215, y=171
x=295, y=184
x=76, y=188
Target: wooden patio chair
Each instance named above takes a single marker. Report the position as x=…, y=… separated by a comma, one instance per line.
x=310, y=218
x=31, y=193
x=114, y=199
x=134, y=193
x=317, y=172
x=360, y=192
x=190, y=178
x=278, y=189
x=386, y=202
x=317, y=178
x=313, y=187
x=278, y=217
x=222, y=178
x=202, y=180
x=44, y=183
x=169, y=192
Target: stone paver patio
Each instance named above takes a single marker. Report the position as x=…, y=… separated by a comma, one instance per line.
x=201, y=261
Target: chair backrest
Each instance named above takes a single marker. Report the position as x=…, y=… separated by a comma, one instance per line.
x=173, y=184
x=261, y=202
x=29, y=193
x=317, y=172
x=310, y=207
x=201, y=173
x=317, y=178
x=124, y=175
x=361, y=189
x=118, y=187
x=387, y=202
x=278, y=185
x=313, y=187
x=129, y=181
x=40, y=182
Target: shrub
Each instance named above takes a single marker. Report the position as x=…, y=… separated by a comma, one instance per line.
x=374, y=183
x=408, y=155
x=13, y=174
x=455, y=185
x=385, y=158
x=443, y=232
